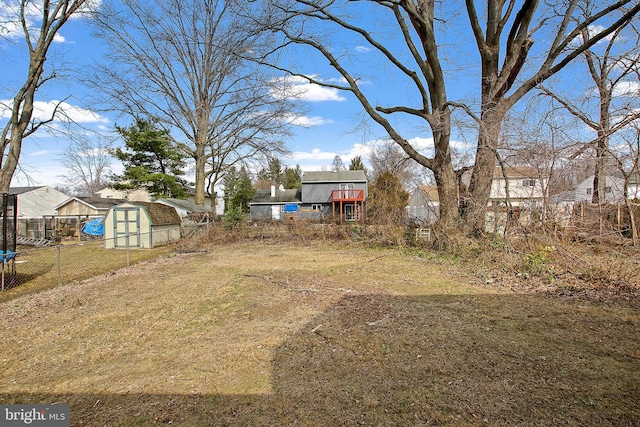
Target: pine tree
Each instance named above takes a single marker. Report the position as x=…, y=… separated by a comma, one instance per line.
x=151, y=161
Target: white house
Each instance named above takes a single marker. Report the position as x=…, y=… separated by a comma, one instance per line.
x=139, y=195
x=516, y=186
x=34, y=203
x=565, y=202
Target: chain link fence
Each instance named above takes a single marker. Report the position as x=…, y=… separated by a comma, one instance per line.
x=33, y=269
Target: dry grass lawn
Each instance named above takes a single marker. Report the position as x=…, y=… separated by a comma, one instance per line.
x=280, y=334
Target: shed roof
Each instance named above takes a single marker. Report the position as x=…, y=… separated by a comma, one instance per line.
x=331, y=176
x=183, y=204
x=281, y=196
x=159, y=214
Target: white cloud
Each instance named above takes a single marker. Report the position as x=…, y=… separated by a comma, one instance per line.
x=296, y=87
x=11, y=28
x=626, y=88
x=315, y=154
x=362, y=49
x=38, y=153
x=307, y=121
x=65, y=112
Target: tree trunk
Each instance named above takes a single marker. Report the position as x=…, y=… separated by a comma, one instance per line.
x=200, y=173
x=479, y=192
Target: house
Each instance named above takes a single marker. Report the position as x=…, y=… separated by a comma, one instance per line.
x=564, y=203
x=633, y=186
x=272, y=204
x=34, y=204
x=340, y=195
x=424, y=205
x=74, y=211
x=185, y=208
x=337, y=196
x=140, y=225
x=583, y=192
x=517, y=187
x=139, y=195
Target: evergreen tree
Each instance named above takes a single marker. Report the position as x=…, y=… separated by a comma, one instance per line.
x=151, y=161
x=387, y=199
x=357, y=164
x=274, y=172
x=238, y=189
x=292, y=177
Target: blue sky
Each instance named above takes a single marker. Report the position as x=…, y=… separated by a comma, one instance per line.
x=330, y=126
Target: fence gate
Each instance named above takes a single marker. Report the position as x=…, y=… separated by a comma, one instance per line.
x=126, y=227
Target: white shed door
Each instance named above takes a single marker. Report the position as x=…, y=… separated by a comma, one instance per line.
x=126, y=227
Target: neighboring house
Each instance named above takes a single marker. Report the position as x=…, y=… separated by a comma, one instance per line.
x=213, y=203
x=185, y=208
x=140, y=225
x=633, y=186
x=516, y=192
x=525, y=187
x=424, y=205
x=140, y=195
x=34, y=204
x=564, y=203
x=583, y=192
x=340, y=196
x=273, y=204
x=73, y=212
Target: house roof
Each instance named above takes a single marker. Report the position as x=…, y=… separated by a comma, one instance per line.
x=331, y=176
x=516, y=172
x=430, y=192
x=281, y=196
x=159, y=214
x=22, y=190
x=183, y=204
x=96, y=203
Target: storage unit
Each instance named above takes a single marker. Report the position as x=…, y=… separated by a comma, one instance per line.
x=140, y=225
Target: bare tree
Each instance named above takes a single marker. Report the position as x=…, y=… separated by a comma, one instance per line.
x=311, y=24
x=180, y=63
x=39, y=35
x=611, y=104
x=504, y=43
x=88, y=163
x=389, y=157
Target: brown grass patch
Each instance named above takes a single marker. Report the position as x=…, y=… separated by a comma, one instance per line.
x=276, y=334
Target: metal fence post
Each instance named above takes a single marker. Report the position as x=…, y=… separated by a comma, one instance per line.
x=59, y=266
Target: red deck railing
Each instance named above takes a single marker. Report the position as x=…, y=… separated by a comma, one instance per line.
x=347, y=195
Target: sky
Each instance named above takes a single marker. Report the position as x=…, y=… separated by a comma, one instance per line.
x=331, y=125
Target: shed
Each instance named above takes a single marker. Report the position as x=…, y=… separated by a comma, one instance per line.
x=140, y=225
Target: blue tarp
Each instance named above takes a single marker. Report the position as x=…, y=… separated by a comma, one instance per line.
x=9, y=255
x=95, y=227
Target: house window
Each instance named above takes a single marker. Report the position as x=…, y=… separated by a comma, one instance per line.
x=589, y=190
x=528, y=182
x=316, y=207
x=607, y=189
